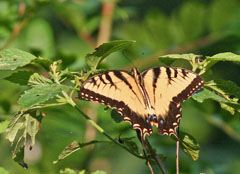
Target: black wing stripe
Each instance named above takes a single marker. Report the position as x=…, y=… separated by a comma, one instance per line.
x=109, y=79
x=175, y=73
x=195, y=85
x=156, y=73
x=168, y=71
x=184, y=73
x=101, y=79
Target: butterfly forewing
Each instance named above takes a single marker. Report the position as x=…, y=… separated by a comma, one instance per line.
x=118, y=90
x=167, y=88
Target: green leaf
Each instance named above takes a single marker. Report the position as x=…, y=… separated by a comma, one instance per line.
x=20, y=77
x=73, y=147
x=19, y=158
x=207, y=94
x=68, y=171
x=37, y=79
x=98, y=172
x=228, y=88
x=43, y=62
x=189, y=145
x=131, y=145
x=11, y=59
x=228, y=56
x=116, y=116
x=188, y=57
x=3, y=171
x=105, y=50
x=40, y=94
x=13, y=130
x=42, y=42
x=32, y=126
x=4, y=126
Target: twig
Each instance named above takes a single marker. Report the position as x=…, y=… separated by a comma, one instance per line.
x=106, y=21
x=156, y=157
x=177, y=157
x=104, y=133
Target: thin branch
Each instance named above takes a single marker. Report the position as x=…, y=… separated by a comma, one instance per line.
x=104, y=133
x=106, y=21
x=156, y=157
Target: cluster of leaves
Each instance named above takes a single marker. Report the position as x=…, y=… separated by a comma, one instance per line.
x=54, y=87
x=71, y=171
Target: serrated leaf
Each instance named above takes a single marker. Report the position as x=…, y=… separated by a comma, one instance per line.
x=20, y=77
x=188, y=57
x=116, y=116
x=11, y=59
x=39, y=94
x=38, y=79
x=228, y=88
x=73, y=147
x=105, y=50
x=3, y=171
x=3, y=126
x=19, y=158
x=189, y=145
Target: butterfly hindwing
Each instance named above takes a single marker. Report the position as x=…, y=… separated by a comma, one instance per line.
x=118, y=90
x=167, y=88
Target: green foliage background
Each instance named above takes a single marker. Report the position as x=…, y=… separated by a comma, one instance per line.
x=68, y=30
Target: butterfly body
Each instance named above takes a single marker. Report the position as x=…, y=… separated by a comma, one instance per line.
x=152, y=97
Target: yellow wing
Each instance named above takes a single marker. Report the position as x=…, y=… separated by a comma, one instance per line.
x=167, y=88
x=119, y=90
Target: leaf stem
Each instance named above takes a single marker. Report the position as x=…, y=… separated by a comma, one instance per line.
x=155, y=156
x=100, y=129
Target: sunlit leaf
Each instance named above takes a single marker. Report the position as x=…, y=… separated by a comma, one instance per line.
x=98, y=172
x=228, y=56
x=73, y=147
x=20, y=77
x=3, y=171
x=188, y=57
x=189, y=145
x=105, y=50
x=3, y=126
x=12, y=58
x=68, y=171
x=38, y=79
x=40, y=94
x=32, y=126
x=207, y=94
x=12, y=131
